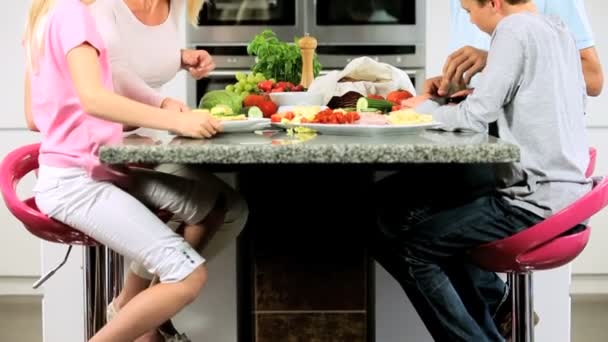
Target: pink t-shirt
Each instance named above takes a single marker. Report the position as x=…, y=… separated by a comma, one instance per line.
x=72, y=137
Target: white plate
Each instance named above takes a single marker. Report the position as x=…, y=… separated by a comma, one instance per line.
x=369, y=130
x=245, y=126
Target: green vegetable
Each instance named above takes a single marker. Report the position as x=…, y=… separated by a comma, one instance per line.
x=221, y=110
x=222, y=97
x=371, y=105
x=255, y=113
x=362, y=104
x=278, y=60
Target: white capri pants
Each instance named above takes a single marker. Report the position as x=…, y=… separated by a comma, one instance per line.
x=123, y=221
x=234, y=221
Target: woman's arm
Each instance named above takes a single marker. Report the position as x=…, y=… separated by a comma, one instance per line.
x=85, y=71
x=126, y=82
x=27, y=104
x=592, y=70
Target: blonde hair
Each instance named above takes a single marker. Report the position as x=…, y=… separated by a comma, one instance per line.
x=194, y=7
x=33, y=40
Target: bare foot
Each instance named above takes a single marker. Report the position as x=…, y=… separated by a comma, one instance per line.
x=152, y=336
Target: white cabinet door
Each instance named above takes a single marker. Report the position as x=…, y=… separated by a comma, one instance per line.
x=20, y=252
x=12, y=67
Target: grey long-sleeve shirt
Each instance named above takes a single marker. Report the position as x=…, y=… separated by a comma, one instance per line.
x=534, y=87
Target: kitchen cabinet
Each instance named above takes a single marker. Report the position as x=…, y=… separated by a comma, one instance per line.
x=20, y=252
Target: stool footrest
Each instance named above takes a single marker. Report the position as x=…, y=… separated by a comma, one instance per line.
x=48, y=275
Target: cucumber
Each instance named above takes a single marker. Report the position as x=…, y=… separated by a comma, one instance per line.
x=365, y=104
x=362, y=104
x=255, y=113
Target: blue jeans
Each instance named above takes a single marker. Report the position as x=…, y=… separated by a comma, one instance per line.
x=422, y=241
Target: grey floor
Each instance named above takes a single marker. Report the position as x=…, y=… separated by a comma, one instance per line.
x=20, y=319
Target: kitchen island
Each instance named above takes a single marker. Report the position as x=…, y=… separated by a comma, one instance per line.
x=304, y=269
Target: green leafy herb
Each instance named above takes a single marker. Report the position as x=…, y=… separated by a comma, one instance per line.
x=278, y=60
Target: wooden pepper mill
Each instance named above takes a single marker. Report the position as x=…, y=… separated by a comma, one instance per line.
x=308, y=46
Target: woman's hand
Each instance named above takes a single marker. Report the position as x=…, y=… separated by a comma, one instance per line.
x=197, y=125
x=175, y=105
x=199, y=63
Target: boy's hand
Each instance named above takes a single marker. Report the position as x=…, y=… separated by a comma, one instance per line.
x=415, y=101
x=461, y=66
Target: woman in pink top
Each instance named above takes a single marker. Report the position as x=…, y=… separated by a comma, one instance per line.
x=69, y=97
x=145, y=53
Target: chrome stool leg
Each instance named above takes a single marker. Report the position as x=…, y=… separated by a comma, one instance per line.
x=114, y=275
x=94, y=289
x=523, y=307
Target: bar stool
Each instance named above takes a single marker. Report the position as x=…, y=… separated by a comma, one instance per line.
x=544, y=246
x=103, y=268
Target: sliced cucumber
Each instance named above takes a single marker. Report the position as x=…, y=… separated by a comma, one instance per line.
x=365, y=104
x=369, y=110
x=255, y=113
x=362, y=104
x=382, y=105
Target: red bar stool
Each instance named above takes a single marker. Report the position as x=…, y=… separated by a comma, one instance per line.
x=541, y=247
x=103, y=268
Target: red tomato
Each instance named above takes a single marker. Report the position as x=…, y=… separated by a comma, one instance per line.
x=253, y=100
x=396, y=108
x=374, y=96
x=398, y=95
x=268, y=108
x=289, y=116
x=276, y=117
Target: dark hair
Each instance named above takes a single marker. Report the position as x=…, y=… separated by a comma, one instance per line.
x=511, y=2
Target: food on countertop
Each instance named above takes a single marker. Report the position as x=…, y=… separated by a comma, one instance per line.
x=366, y=104
x=347, y=100
x=255, y=112
x=221, y=113
x=397, y=96
x=278, y=60
x=338, y=116
x=222, y=97
x=246, y=84
x=408, y=117
x=296, y=114
x=373, y=119
x=268, y=108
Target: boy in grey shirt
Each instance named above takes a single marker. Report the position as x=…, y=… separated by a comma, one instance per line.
x=533, y=86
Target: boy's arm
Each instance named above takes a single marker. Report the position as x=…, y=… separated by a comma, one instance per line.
x=496, y=88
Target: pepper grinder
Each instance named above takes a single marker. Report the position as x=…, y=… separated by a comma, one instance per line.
x=308, y=46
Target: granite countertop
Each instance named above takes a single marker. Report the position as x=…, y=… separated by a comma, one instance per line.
x=278, y=148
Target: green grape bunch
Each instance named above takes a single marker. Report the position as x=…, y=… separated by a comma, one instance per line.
x=246, y=84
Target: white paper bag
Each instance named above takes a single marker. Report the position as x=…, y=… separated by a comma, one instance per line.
x=372, y=78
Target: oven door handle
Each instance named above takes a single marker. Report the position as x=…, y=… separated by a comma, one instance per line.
x=227, y=72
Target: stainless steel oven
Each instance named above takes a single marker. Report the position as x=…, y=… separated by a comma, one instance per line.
x=382, y=22
x=238, y=21
x=391, y=31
